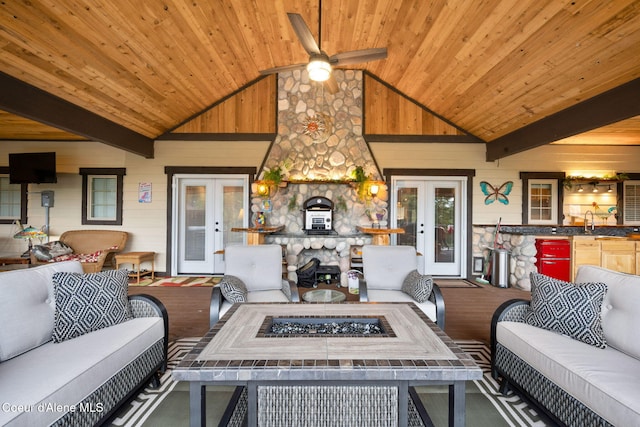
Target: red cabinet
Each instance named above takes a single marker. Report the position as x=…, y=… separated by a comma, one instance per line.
x=554, y=258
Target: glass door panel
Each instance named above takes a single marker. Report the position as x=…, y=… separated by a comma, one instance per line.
x=230, y=213
x=430, y=211
x=206, y=211
x=444, y=210
x=195, y=222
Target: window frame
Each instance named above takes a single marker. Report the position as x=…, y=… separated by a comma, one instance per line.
x=4, y=170
x=634, y=178
x=118, y=174
x=537, y=177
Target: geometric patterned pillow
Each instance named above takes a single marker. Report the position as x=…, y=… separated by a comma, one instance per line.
x=89, y=302
x=233, y=289
x=568, y=308
x=418, y=286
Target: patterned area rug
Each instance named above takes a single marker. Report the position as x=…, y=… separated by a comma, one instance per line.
x=169, y=404
x=186, y=281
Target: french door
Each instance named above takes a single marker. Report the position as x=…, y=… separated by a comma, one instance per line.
x=431, y=211
x=206, y=208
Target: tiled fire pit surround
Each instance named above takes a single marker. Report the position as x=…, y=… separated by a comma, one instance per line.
x=420, y=353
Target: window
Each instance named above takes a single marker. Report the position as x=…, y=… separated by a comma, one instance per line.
x=13, y=199
x=631, y=194
x=542, y=201
x=542, y=206
x=102, y=195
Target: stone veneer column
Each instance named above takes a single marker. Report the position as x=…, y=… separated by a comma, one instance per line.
x=522, y=253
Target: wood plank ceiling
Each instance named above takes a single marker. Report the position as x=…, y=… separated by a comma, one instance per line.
x=494, y=68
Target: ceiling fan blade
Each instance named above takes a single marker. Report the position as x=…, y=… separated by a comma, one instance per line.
x=282, y=69
x=304, y=33
x=332, y=84
x=356, y=56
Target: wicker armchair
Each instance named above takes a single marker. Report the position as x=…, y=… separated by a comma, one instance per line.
x=86, y=242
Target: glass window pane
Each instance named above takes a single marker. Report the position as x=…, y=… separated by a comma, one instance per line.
x=103, y=197
x=10, y=199
x=632, y=202
x=542, y=201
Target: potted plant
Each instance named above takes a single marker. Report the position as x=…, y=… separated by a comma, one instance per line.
x=360, y=179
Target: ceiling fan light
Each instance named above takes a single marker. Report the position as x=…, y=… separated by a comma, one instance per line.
x=319, y=70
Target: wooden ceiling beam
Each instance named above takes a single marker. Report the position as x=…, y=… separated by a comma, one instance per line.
x=28, y=101
x=617, y=104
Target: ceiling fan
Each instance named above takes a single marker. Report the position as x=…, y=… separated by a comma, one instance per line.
x=320, y=64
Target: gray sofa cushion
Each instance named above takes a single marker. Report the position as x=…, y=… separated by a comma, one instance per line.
x=385, y=267
x=620, y=307
x=606, y=380
x=258, y=266
x=27, y=307
x=89, y=302
x=567, y=308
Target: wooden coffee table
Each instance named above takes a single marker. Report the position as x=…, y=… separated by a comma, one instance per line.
x=239, y=351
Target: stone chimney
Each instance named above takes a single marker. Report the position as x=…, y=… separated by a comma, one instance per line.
x=320, y=134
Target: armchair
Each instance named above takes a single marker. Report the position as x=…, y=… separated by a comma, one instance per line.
x=385, y=269
x=259, y=267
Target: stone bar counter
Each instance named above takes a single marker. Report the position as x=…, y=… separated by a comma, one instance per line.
x=520, y=241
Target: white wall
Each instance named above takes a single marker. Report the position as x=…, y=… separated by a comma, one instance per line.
x=147, y=222
x=573, y=160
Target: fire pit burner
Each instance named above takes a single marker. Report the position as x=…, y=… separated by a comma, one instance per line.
x=324, y=326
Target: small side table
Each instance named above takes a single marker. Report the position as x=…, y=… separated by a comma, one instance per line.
x=137, y=258
x=14, y=260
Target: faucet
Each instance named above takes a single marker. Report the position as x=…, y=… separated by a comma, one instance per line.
x=593, y=224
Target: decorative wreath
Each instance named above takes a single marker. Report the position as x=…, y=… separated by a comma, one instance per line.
x=317, y=127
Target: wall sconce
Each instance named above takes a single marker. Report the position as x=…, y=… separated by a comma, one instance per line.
x=373, y=189
x=262, y=189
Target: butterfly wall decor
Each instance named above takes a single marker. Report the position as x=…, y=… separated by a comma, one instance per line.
x=500, y=194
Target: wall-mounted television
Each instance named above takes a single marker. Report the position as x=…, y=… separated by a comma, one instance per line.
x=32, y=168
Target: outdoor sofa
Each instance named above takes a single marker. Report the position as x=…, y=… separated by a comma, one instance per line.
x=74, y=347
x=588, y=375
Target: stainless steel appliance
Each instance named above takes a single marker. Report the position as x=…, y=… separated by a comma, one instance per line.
x=318, y=215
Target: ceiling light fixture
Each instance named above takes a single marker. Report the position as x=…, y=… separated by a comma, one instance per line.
x=609, y=190
x=319, y=68
x=580, y=189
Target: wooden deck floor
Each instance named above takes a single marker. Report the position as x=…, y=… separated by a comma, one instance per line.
x=468, y=310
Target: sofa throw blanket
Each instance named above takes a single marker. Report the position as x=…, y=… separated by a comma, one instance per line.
x=51, y=250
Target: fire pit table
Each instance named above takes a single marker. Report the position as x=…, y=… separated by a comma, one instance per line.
x=322, y=376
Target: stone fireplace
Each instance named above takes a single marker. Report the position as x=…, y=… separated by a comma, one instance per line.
x=319, y=144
